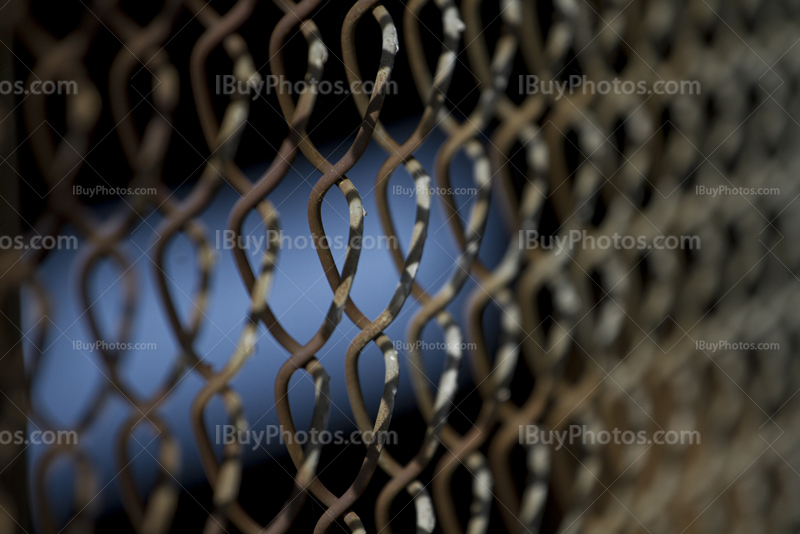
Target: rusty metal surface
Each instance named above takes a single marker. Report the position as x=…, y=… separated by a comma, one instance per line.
x=618, y=347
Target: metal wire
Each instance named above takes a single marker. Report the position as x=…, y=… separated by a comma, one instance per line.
x=616, y=349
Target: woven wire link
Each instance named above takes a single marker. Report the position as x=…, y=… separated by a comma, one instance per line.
x=617, y=350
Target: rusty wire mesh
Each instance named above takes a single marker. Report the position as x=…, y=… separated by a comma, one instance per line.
x=618, y=347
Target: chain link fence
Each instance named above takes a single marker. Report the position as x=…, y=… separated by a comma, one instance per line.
x=643, y=156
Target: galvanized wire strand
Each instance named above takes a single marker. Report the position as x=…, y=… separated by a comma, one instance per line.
x=374, y=331
x=476, y=152
x=542, y=355
x=436, y=413
x=146, y=156
x=230, y=471
x=398, y=154
x=420, y=384
x=467, y=446
x=59, y=169
x=403, y=153
x=305, y=475
x=333, y=177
